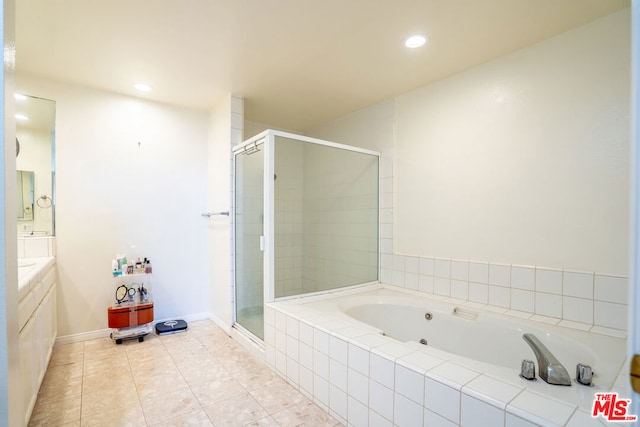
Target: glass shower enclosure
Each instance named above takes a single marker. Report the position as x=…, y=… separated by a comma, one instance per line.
x=305, y=220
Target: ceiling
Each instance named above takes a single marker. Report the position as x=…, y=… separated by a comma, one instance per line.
x=298, y=63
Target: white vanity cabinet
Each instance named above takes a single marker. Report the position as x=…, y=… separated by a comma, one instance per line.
x=38, y=327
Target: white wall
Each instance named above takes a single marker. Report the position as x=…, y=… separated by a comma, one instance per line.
x=226, y=123
x=129, y=173
x=507, y=184
x=524, y=159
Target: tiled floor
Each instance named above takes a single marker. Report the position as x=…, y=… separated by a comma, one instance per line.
x=198, y=378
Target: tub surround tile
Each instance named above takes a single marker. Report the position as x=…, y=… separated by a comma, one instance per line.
x=338, y=349
x=577, y=284
x=613, y=289
x=549, y=281
x=359, y=359
x=321, y=392
x=382, y=370
x=513, y=421
x=337, y=403
x=412, y=264
x=452, y=375
x=427, y=266
x=577, y=310
x=377, y=420
x=419, y=361
x=523, y=278
x=575, y=325
x=392, y=350
x=407, y=413
x=381, y=400
x=358, y=386
x=539, y=409
x=425, y=284
x=409, y=383
x=500, y=274
x=338, y=374
x=545, y=319
x=293, y=327
x=321, y=341
x=477, y=413
x=369, y=341
x=479, y=272
x=518, y=314
x=583, y=419
x=499, y=296
x=610, y=315
x=522, y=300
x=442, y=268
x=479, y=293
x=442, y=286
x=549, y=305
x=431, y=419
x=358, y=412
x=442, y=399
x=460, y=270
x=492, y=391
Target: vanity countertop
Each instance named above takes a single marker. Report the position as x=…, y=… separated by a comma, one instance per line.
x=31, y=271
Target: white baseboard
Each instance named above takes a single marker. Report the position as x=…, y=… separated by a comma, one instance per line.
x=103, y=333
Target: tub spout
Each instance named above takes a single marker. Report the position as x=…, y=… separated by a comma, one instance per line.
x=549, y=368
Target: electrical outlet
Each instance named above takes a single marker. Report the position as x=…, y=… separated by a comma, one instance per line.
x=26, y=228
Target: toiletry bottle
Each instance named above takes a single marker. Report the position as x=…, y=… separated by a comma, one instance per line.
x=147, y=267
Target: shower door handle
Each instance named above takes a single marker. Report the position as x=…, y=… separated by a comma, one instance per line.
x=262, y=243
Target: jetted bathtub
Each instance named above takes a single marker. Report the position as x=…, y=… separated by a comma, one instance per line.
x=480, y=341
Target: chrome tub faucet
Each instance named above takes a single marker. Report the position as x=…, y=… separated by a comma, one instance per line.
x=549, y=368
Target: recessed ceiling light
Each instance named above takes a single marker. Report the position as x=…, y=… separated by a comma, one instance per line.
x=142, y=87
x=415, y=41
x=19, y=96
x=21, y=117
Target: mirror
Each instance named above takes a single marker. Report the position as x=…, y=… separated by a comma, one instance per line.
x=35, y=164
x=25, y=195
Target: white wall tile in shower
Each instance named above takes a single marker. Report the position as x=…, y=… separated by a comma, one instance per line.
x=549, y=281
x=523, y=277
x=611, y=289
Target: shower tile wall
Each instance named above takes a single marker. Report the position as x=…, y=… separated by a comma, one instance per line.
x=288, y=220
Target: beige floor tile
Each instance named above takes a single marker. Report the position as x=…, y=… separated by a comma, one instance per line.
x=263, y=422
x=197, y=418
x=114, y=399
x=215, y=391
x=167, y=403
x=304, y=414
x=128, y=416
x=56, y=413
x=197, y=378
x=237, y=411
x=277, y=395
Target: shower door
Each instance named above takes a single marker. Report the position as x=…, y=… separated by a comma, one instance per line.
x=249, y=231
